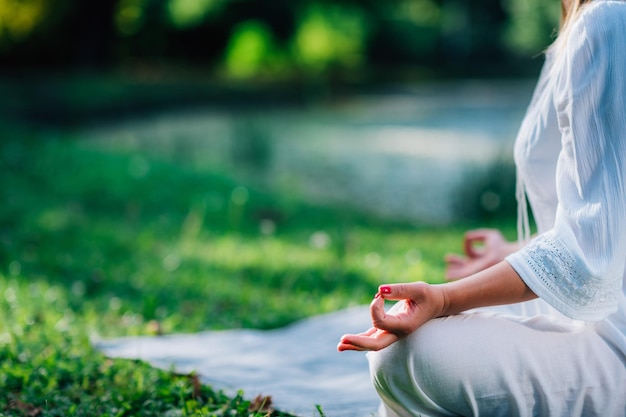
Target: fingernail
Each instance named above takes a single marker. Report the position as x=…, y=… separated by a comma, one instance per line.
x=385, y=289
x=377, y=295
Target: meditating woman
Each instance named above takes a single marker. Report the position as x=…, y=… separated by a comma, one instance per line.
x=536, y=328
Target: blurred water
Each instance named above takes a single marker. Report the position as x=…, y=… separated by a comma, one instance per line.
x=403, y=153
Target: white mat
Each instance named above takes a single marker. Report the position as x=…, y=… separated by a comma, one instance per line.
x=298, y=366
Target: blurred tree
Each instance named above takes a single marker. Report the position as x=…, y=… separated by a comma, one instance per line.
x=130, y=16
x=252, y=38
x=532, y=25
x=251, y=50
x=92, y=26
x=184, y=14
x=59, y=32
x=456, y=29
x=18, y=19
x=432, y=33
x=405, y=31
x=329, y=35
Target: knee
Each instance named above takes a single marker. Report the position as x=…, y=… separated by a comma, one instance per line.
x=409, y=368
x=386, y=365
x=418, y=372
x=390, y=377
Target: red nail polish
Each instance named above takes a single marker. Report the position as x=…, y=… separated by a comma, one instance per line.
x=377, y=295
x=385, y=289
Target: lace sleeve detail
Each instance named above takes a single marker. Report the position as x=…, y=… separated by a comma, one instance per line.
x=578, y=266
x=555, y=274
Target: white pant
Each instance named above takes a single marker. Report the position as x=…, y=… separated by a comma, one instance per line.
x=486, y=363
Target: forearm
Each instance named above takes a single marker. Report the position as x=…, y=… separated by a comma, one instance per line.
x=497, y=285
x=421, y=302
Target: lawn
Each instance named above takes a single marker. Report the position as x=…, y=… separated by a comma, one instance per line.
x=101, y=243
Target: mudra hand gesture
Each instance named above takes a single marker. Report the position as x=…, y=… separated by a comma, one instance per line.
x=483, y=248
x=419, y=302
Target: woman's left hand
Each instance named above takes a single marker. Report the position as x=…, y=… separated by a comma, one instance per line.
x=419, y=302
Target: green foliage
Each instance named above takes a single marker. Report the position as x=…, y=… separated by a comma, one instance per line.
x=188, y=13
x=326, y=36
x=330, y=35
x=141, y=239
x=283, y=39
x=48, y=368
x=19, y=18
x=533, y=23
x=416, y=27
x=130, y=16
x=251, y=50
x=96, y=242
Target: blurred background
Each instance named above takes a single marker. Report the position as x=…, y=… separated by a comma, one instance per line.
x=171, y=166
x=286, y=146
x=282, y=40
x=364, y=102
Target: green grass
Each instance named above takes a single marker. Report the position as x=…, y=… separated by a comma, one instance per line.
x=97, y=243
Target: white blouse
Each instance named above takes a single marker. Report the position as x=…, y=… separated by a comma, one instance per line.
x=571, y=159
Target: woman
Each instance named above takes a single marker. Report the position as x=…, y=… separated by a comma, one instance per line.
x=554, y=342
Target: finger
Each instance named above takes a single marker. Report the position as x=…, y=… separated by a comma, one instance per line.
x=454, y=259
x=346, y=346
x=400, y=324
x=394, y=321
x=376, y=341
x=474, y=248
x=472, y=238
x=377, y=311
x=343, y=347
x=344, y=343
x=456, y=266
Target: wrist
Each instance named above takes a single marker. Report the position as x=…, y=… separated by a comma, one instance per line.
x=443, y=300
x=497, y=285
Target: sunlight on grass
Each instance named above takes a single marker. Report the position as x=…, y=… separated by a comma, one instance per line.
x=131, y=249
x=48, y=368
x=90, y=249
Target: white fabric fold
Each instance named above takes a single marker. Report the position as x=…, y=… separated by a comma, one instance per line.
x=578, y=264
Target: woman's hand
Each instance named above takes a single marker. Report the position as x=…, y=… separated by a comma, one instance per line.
x=483, y=248
x=419, y=302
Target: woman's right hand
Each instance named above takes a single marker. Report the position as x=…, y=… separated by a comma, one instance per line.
x=417, y=303
x=483, y=248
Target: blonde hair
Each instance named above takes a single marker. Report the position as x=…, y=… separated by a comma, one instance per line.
x=568, y=17
x=567, y=14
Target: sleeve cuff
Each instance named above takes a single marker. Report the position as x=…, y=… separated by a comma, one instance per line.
x=561, y=279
